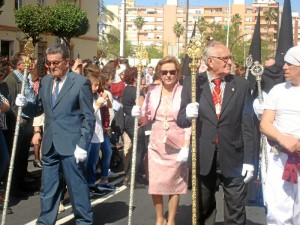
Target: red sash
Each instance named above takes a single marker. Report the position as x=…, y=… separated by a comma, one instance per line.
x=292, y=165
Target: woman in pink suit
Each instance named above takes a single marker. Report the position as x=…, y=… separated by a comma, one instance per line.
x=168, y=170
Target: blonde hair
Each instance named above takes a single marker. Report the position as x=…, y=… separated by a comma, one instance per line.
x=168, y=59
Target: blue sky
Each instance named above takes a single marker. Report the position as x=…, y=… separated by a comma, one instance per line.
x=295, y=4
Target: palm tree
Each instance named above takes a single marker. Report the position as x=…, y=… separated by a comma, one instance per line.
x=270, y=16
x=105, y=31
x=178, y=29
x=139, y=23
x=236, y=21
x=202, y=26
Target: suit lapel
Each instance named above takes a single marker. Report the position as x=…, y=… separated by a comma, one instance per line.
x=48, y=90
x=65, y=88
x=230, y=88
x=205, y=90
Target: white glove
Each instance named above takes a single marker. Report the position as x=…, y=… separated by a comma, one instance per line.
x=191, y=110
x=183, y=154
x=21, y=100
x=247, y=172
x=80, y=154
x=136, y=111
x=258, y=108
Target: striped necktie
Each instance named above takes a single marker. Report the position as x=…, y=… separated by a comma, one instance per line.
x=55, y=90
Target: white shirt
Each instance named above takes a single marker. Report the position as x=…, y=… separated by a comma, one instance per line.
x=98, y=133
x=284, y=99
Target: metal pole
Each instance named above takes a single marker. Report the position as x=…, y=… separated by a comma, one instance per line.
x=187, y=21
x=123, y=28
x=28, y=48
x=141, y=53
x=194, y=52
x=228, y=22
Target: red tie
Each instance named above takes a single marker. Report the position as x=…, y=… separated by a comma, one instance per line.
x=217, y=99
x=217, y=96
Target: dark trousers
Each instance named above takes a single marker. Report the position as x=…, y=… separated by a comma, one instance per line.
x=234, y=197
x=55, y=167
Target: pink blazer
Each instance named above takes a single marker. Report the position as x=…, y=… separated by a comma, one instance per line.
x=152, y=101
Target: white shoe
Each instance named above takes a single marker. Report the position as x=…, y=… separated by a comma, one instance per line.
x=61, y=208
x=112, y=174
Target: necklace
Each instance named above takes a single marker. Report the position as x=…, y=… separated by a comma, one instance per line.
x=166, y=102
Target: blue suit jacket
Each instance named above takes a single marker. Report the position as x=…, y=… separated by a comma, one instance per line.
x=71, y=120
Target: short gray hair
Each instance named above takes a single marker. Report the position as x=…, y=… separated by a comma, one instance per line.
x=58, y=48
x=207, y=52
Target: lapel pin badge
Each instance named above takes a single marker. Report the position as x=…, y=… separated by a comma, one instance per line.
x=233, y=89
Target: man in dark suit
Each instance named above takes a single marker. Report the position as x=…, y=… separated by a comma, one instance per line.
x=224, y=134
x=66, y=99
x=10, y=87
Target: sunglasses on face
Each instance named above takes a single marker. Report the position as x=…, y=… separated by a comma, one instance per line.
x=165, y=72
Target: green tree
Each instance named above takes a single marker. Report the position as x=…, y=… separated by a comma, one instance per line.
x=139, y=23
x=67, y=21
x=270, y=16
x=201, y=26
x=154, y=53
x=32, y=20
x=105, y=16
x=110, y=44
x=178, y=30
x=236, y=21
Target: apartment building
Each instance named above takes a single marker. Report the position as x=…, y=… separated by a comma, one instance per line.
x=12, y=38
x=158, y=28
x=159, y=21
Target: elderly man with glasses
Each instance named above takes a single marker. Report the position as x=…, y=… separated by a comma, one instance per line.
x=224, y=126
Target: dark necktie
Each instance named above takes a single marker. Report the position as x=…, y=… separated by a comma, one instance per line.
x=55, y=91
x=217, y=96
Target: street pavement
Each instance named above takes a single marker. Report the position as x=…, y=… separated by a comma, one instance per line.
x=112, y=208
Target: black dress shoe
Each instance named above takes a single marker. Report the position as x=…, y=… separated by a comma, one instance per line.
x=139, y=185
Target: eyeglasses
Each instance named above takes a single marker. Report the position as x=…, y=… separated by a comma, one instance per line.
x=54, y=63
x=165, y=72
x=225, y=59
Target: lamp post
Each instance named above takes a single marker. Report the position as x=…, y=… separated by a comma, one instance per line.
x=123, y=25
x=228, y=23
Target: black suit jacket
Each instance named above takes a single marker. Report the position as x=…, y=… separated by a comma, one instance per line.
x=234, y=128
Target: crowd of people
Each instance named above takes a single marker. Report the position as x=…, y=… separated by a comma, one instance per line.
x=70, y=111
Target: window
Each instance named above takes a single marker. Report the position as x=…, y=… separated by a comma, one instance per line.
x=218, y=19
x=180, y=11
x=248, y=28
x=18, y=4
x=249, y=19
